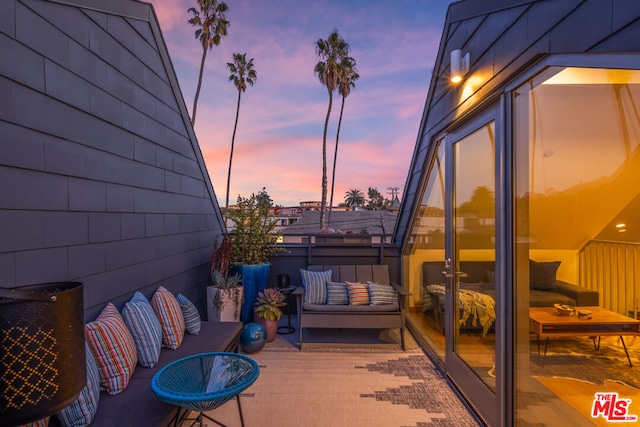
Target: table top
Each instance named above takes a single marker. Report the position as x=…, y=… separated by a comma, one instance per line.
x=204, y=376
x=549, y=316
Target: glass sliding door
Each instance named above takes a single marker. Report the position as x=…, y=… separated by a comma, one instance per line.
x=470, y=326
x=425, y=257
x=577, y=243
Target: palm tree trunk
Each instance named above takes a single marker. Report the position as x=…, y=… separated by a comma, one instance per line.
x=323, y=202
x=335, y=159
x=233, y=138
x=197, y=95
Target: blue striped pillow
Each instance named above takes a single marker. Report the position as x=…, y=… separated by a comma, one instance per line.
x=382, y=294
x=192, y=321
x=145, y=329
x=81, y=412
x=315, y=286
x=337, y=293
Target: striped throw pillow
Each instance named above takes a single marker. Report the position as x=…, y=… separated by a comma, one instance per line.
x=40, y=423
x=113, y=348
x=192, y=321
x=81, y=412
x=382, y=294
x=169, y=313
x=337, y=293
x=315, y=286
x=358, y=293
x=145, y=329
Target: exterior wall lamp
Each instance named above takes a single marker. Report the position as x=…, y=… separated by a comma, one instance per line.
x=459, y=65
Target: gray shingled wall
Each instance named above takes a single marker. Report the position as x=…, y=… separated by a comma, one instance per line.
x=101, y=178
x=504, y=37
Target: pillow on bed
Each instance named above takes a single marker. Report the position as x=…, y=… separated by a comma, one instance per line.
x=542, y=275
x=315, y=285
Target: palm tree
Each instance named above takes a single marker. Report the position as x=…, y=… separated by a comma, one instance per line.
x=329, y=53
x=212, y=25
x=242, y=72
x=347, y=76
x=354, y=197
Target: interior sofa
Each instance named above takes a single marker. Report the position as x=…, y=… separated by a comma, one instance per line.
x=384, y=308
x=478, y=277
x=137, y=404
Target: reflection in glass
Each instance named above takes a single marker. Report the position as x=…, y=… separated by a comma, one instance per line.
x=427, y=245
x=473, y=267
x=577, y=185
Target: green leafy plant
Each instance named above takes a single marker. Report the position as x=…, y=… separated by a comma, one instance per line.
x=268, y=304
x=254, y=239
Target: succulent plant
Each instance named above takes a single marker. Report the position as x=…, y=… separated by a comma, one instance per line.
x=268, y=304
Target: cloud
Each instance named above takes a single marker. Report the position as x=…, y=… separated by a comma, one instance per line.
x=278, y=142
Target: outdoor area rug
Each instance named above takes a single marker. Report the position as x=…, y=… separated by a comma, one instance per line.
x=349, y=388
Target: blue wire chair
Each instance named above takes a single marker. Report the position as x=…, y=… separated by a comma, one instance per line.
x=204, y=382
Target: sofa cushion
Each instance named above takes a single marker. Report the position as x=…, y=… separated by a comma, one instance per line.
x=542, y=275
x=337, y=293
x=192, y=320
x=315, y=285
x=351, y=308
x=145, y=329
x=381, y=294
x=539, y=298
x=112, y=346
x=358, y=293
x=81, y=412
x=170, y=315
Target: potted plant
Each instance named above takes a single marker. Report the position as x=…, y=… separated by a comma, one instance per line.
x=225, y=297
x=267, y=310
x=254, y=241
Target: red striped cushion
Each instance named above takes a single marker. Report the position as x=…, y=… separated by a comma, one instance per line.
x=113, y=349
x=169, y=313
x=358, y=293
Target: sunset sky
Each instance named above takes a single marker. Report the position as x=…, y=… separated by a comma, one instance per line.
x=278, y=143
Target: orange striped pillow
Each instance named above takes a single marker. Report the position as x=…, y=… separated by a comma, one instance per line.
x=169, y=313
x=113, y=348
x=358, y=293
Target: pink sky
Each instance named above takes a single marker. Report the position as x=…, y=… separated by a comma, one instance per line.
x=278, y=143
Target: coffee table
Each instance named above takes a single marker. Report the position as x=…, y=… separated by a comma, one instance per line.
x=545, y=322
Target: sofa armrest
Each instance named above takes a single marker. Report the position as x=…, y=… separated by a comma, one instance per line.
x=400, y=290
x=583, y=296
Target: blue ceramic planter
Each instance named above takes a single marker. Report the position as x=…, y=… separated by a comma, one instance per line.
x=254, y=280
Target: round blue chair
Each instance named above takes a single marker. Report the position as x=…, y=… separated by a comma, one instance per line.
x=204, y=382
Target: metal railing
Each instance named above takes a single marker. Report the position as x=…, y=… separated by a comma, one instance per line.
x=302, y=250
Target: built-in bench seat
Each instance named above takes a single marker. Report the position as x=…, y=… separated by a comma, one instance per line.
x=353, y=316
x=137, y=405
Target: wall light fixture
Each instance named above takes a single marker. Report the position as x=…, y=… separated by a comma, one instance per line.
x=459, y=65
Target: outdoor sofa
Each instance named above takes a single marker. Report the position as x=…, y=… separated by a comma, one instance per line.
x=336, y=306
x=137, y=405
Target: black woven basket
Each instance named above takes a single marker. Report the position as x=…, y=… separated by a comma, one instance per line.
x=42, y=350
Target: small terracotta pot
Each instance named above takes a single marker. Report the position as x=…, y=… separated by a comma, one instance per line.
x=271, y=326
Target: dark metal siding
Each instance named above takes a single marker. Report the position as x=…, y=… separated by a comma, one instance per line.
x=101, y=177
x=504, y=38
